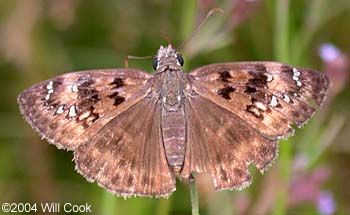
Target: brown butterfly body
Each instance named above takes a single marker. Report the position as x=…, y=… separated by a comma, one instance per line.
x=133, y=132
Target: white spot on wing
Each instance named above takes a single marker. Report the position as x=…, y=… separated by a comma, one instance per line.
x=49, y=88
x=47, y=97
x=298, y=83
x=72, y=111
x=274, y=101
x=296, y=72
x=75, y=88
x=296, y=75
x=60, y=109
x=269, y=77
x=286, y=98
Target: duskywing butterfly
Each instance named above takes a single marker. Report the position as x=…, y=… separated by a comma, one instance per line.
x=133, y=132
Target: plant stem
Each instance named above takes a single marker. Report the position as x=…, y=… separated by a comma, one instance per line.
x=194, y=194
x=281, y=30
x=188, y=18
x=163, y=206
x=281, y=45
x=108, y=204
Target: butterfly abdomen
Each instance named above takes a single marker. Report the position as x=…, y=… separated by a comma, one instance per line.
x=174, y=137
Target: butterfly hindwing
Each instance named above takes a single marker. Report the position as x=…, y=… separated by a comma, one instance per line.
x=71, y=108
x=222, y=144
x=269, y=96
x=127, y=155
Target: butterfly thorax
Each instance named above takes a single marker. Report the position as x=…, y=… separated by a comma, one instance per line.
x=172, y=90
x=172, y=81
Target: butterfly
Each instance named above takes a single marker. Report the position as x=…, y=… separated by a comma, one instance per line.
x=133, y=132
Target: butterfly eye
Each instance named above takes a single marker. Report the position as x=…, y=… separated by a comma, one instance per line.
x=155, y=63
x=180, y=59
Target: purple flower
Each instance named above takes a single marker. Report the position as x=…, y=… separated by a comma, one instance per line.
x=326, y=204
x=328, y=52
x=336, y=65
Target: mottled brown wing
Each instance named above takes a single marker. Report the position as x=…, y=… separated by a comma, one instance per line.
x=127, y=155
x=70, y=109
x=222, y=144
x=269, y=96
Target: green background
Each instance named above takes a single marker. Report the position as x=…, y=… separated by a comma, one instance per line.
x=40, y=39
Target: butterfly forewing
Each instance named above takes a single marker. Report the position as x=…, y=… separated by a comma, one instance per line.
x=127, y=155
x=269, y=96
x=71, y=108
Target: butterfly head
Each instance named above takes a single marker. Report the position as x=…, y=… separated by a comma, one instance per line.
x=167, y=58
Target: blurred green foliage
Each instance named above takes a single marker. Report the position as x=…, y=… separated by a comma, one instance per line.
x=44, y=38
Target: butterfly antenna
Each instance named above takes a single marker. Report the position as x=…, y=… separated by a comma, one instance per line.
x=129, y=57
x=126, y=60
x=166, y=36
x=199, y=27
